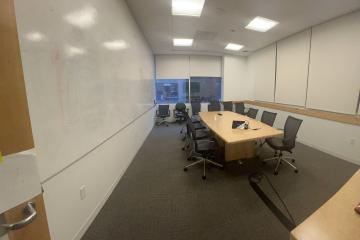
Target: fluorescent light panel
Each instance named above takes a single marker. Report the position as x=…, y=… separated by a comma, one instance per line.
x=234, y=47
x=261, y=24
x=183, y=42
x=191, y=8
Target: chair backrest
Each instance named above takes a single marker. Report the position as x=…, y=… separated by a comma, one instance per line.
x=240, y=108
x=252, y=113
x=228, y=106
x=163, y=109
x=195, y=108
x=268, y=118
x=181, y=107
x=214, y=106
x=291, y=129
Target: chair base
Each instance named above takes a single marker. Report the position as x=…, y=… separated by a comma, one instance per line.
x=204, y=161
x=282, y=159
x=162, y=122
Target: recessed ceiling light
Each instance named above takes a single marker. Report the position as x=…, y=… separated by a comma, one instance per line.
x=261, y=24
x=187, y=7
x=115, y=45
x=72, y=51
x=233, y=47
x=184, y=42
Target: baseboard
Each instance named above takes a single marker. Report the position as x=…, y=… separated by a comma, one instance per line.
x=100, y=205
x=330, y=152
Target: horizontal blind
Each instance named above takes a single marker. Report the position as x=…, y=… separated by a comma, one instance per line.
x=292, y=69
x=205, y=66
x=172, y=66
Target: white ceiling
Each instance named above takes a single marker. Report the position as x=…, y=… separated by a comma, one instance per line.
x=223, y=21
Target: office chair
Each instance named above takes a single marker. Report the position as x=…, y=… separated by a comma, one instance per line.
x=287, y=143
x=193, y=133
x=205, y=150
x=240, y=108
x=268, y=118
x=214, y=106
x=252, y=113
x=195, y=109
x=179, y=112
x=228, y=106
x=163, y=112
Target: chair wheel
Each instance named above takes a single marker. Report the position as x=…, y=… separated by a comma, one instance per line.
x=263, y=162
x=185, y=169
x=296, y=171
x=183, y=149
x=276, y=173
x=189, y=158
x=293, y=160
x=203, y=177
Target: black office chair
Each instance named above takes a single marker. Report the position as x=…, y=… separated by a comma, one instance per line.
x=163, y=112
x=268, y=118
x=228, y=106
x=204, y=149
x=195, y=109
x=240, y=108
x=214, y=107
x=193, y=132
x=287, y=143
x=179, y=112
x=252, y=113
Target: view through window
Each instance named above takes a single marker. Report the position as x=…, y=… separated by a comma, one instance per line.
x=202, y=89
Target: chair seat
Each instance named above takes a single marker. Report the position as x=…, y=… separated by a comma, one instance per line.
x=205, y=146
x=201, y=134
x=277, y=144
x=195, y=118
x=199, y=126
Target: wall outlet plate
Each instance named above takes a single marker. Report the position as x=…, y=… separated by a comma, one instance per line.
x=82, y=192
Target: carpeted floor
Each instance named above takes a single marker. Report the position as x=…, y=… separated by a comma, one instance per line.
x=157, y=200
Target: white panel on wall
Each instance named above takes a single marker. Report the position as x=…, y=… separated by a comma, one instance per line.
x=235, y=84
x=292, y=69
x=262, y=72
x=172, y=66
x=205, y=66
x=334, y=77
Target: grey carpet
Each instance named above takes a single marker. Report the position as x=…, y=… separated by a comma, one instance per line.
x=156, y=199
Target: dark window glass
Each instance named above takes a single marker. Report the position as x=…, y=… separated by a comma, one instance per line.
x=172, y=91
x=205, y=89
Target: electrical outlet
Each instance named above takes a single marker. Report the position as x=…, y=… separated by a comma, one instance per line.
x=82, y=192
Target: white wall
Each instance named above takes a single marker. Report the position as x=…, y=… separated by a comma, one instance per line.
x=236, y=85
x=89, y=75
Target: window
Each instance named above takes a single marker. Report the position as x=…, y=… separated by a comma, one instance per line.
x=205, y=89
x=202, y=89
x=172, y=91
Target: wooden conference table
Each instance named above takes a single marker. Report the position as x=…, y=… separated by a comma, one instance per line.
x=336, y=219
x=238, y=143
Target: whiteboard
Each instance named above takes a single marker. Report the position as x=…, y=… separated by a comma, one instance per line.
x=88, y=73
x=334, y=74
x=262, y=73
x=292, y=69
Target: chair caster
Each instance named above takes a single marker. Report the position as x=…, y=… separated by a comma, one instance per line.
x=204, y=177
x=185, y=169
x=189, y=158
x=296, y=171
x=263, y=162
x=183, y=149
x=276, y=173
x=293, y=160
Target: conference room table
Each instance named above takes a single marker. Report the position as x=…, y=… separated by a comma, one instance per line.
x=238, y=143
